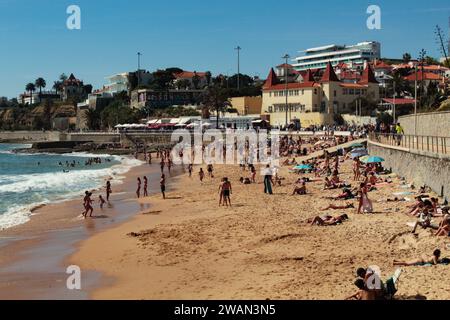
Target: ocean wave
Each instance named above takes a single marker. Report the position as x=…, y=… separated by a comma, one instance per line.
x=57, y=187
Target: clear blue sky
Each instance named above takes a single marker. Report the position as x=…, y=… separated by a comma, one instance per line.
x=195, y=34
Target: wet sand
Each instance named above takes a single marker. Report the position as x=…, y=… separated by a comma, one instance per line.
x=33, y=255
x=187, y=247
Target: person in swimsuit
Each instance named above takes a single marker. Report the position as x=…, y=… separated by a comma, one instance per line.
x=335, y=207
x=356, y=169
x=161, y=164
x=365, y=204
x=88, y=204
x=169, y=164
x=434, y=259
x=108, y=190
x=444, y=227
x=149, y=158
x=138, y=191
x=162, y=183
x=226, y=191
x=210, y=170
x=145, y=186
x=201, y=174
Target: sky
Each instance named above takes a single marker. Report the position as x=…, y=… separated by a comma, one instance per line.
x=196, y=35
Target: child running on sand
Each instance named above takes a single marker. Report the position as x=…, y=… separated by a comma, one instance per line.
x=190, y=170
x=102, y=201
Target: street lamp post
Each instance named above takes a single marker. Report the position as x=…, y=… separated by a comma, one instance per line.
x=415, y=101
x=238, y=49
x=139, y=68
x=286, y=57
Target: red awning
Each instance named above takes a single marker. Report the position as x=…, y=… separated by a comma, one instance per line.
x=399, y=101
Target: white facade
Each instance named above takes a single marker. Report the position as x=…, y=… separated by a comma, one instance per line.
x=317, y=58
x=120, y=82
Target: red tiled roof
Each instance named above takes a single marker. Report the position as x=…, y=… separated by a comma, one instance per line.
x=426, y=76
x=284, y=65
x=271, y=79
x=329, y=75
x=72, y=80
x=189, y=74
x=368, y=76
x=380, y=64
x=308, y=77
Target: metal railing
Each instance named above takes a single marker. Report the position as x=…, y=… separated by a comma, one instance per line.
x=439, y=145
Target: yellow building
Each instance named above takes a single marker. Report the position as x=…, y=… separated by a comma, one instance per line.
x=246, y=105
x=315, y=102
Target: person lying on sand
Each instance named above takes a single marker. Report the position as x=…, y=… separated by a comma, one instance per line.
x=327, y=220
x=395, y=199
x=424, y=221
x=363, y=293
x=335, y=207
x=346, y=194
x=433, y=260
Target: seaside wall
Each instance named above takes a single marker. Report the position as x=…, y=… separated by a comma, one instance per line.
x=94, y=137
x=421, y=167
x=29, y=136
x=428, y=124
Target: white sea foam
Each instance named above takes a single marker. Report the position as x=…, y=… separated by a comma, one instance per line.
x=58, y=186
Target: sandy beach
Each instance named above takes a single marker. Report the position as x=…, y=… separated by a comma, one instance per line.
x=187, y=247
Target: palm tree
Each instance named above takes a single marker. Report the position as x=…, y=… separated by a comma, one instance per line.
x=216, y=99
x=208, y=77
x=63, y=77
x=92, y=118
x=40, y=83
x=57, y=86
x=30, y=87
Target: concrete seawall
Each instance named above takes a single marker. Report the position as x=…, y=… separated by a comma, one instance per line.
x=428, y=124
x=419, y=166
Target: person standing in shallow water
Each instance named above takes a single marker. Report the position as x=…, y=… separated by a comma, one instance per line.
x=145, y=186
x=108, y=190
x=138, y=191
x=268, y=181
x=162, y=183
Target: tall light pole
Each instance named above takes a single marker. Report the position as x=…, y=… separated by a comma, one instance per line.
x=139, y=68
x=415, y=101
x=238, y=49
x=393, y=109
x=286, y=57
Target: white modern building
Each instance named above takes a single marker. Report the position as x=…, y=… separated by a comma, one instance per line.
x=121, y=81
x=355, y=55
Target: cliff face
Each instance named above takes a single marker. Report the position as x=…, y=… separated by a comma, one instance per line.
x=31, y=117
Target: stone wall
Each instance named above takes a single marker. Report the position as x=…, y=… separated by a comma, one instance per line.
x=418, y=166
x=29, y=136
x=428, y=124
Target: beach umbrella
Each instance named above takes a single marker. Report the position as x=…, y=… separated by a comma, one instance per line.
x=303, y=167
x=372, y=159
x=358, y=153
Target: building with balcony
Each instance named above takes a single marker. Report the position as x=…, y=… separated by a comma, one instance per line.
x=354, y=55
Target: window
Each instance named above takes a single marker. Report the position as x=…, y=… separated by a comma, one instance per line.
x=315, y=91
x=351, y=91
x=335, y=93
x=270, y=109
x=357, y=91
x=344, y=92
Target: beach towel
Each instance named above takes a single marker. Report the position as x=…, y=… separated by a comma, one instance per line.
x=405, y=193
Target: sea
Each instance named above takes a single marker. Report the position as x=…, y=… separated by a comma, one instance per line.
x=29, y=180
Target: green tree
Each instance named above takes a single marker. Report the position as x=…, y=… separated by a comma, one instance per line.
x=30, y=87
x=63, y=77
x=183, y=84
x=208, y=77
x=162, y=80
x=216, y=99
x=406, y=57
x=40, y=83
x=57, y=86
x=195, y=80
x=117, y=113
x=92, y=118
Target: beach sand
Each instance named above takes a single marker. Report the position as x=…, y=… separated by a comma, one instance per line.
x=187, y=247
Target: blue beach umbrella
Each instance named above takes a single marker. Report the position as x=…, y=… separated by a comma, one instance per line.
x=303, y=167
x=372, y=159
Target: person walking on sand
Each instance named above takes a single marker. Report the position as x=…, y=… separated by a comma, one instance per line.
x=365, y=204
x=161, y=164
x=145, y=186
x=138, y=191
x=102, y=201
x=356, y=169
x=210, y=170
x=108, y=190
x=226, y=192
x=201, y=174
x=88, y=204
x=268, y=181
x=162, y=183
x=221, y=191
x=169, y=163
x=190, y=167
x=149, y=158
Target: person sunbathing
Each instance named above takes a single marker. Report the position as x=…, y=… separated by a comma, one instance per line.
x=395, y=199
x=433, y=260
x=335, y=207
x=444, y=227
x=363, y=293
x=327, y=220
x=346, y=194
x=424, y=221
